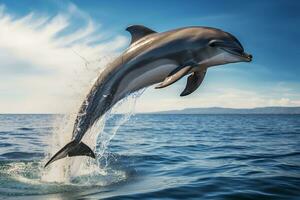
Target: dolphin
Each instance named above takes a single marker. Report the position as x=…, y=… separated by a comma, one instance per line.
x=153, y=58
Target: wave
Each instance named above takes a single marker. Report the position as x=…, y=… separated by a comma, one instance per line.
x=22, y=155
x=254, y=157
x=25, y=129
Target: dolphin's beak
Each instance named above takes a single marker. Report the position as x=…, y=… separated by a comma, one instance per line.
x=247, y=56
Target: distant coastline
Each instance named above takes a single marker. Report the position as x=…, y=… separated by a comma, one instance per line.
x=221, y=110
x=276, y=110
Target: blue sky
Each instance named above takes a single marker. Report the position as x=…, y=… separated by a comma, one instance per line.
x=42, y=71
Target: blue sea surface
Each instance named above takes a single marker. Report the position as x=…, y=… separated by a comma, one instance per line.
x=163, y=157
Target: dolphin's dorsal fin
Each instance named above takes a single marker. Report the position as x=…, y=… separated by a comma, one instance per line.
x=138, y=31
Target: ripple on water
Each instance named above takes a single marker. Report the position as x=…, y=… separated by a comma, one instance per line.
x=5, y=144
x=25, y=129
x=21, y=155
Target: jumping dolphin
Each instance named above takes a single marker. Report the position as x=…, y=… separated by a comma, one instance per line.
x=152, y=58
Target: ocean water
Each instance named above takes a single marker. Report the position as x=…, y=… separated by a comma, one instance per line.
x=159, y=157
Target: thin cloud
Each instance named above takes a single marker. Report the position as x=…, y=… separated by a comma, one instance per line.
x=49, y=62
x=41, y=67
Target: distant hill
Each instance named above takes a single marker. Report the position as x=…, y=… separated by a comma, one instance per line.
x=220, y=110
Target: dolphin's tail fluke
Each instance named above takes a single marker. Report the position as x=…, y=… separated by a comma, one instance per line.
x=72, y=149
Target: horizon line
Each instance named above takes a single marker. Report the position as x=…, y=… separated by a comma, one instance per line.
x=181, y=109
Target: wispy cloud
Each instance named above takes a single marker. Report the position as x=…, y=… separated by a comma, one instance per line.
x=49, y=61
x=43, y=63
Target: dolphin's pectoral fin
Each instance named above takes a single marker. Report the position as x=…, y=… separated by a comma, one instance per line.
x=193, y=82
x=72, y=149
x=174, y=76
x=138, y=31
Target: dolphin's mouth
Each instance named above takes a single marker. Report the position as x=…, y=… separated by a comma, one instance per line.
x=247, y=57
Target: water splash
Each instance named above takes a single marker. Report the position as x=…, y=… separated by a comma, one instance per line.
x=106, y=136
x=84, y=170
x=62, y=134
x=99, y=138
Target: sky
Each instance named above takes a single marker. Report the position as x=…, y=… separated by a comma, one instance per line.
x=52, y=51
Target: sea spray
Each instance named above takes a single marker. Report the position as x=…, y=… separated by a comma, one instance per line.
x=62, y=133
x=84, y=170
x=104, y=138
